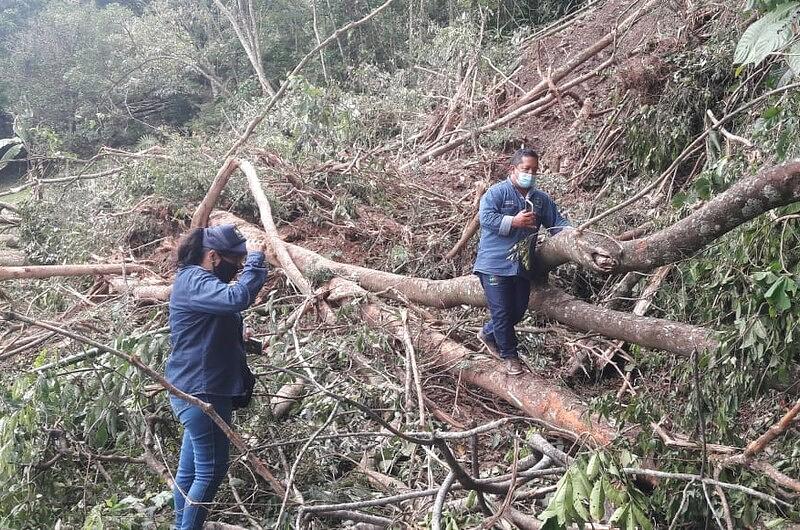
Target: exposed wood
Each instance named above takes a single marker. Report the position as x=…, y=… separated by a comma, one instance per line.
x=145, y=290
x=535, y=395
x=470, y=230
x=758, y=445
x=30, y=272
x=285, y=398
x=200, y=217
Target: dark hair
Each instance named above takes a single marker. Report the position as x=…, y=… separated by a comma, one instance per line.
x=519, y=154
x=190, y=248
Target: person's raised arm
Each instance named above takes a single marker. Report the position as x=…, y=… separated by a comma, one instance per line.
x=210, y=295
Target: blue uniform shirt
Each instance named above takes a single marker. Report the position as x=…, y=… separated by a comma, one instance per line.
x=498, y=207
x=206, y=328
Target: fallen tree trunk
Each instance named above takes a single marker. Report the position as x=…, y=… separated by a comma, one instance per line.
x=466, y=290
x=146, y=290
x=529, y=392
x=747, y=199
x=49, y=271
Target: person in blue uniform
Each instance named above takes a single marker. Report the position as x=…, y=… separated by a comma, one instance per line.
x=207, y=359
x=510, y=211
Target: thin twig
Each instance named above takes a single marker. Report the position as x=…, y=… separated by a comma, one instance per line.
x=299, y=458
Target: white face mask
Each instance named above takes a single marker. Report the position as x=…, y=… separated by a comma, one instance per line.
x=526, y=180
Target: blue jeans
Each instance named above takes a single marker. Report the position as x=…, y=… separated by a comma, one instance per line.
x=507, y=299
x=203, y=461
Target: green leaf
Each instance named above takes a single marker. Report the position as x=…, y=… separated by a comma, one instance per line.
x=9, y=155
x=679, y=200
x=472, y=499
x=580, y=484
x=562, y=505
x=580, y=509
x=594, y=466
x=777, y=295
x=618, y=514
x=771, y=112
x=9, y=141
x=641, y=517
x=765, y=35
x=612, y=493
x=597, y=501
x=631, y=520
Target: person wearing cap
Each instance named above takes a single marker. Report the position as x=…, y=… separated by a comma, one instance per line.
x=207, y=359
x=506, y=222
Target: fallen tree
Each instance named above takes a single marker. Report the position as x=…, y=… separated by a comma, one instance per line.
x=747, y=199
x=531, y=393
x=50, y=271
x=547, y=300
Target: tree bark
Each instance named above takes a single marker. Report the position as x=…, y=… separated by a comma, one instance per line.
x=200, y=217
x=529, y=392
x=143, y=290
x=549, y=301
x=49, y=271
x=745, y=200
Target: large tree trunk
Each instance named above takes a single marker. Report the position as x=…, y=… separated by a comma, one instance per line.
x=466, y=290
x=747, y=199
x=531, y=393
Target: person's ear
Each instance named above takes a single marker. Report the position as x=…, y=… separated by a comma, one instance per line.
x=214, y=257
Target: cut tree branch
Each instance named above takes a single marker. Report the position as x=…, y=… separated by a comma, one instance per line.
x=200, y=217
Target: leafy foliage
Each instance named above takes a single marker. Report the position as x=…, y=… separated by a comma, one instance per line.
x=769, y=34
x=588, y=487
x=9, y=149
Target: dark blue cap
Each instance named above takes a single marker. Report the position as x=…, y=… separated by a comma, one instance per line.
x=224, y=238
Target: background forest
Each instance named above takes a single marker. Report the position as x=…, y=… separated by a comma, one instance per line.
x=373, y=144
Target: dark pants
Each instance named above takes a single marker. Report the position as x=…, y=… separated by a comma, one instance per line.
x=507, y=298
x=203, y=461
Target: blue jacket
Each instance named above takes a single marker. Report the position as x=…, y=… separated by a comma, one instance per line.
x=498, y=207
x=206, y=328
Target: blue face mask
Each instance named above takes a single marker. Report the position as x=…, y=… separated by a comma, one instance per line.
x=526, y=180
